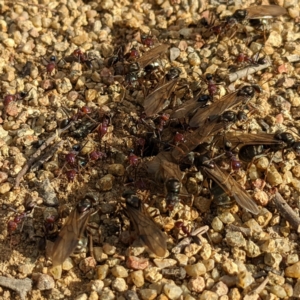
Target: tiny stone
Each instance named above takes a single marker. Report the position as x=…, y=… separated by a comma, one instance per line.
x=278, y=291
x=82, y=297
x=119, y=271
x=5, y=187
x=109, y=249
x=293, y=270
x=252, y=249
x=87, y=264
x=274, y=39
x=102, y=271
x=194, y=59
x=264, y=217
x=131, y=295
x=26, y=268
x=164, y=263
x=45, y=282
x=116, y=169
x=174, y=53
x=262, y=163
x=152, y=274
x=182, y=259
x=226, y=217
x=195, y=270
x=261, y=197
x=97, y=286
x=3, y=177
x=90, y=94
x=292, y=258
x=197, y=284
x=220, y=288
x=188, y=297
x=172, y=291
x=209, y=264
x=296, y=291
x=68, y=264
x=273, y=177
x=137, y=263
x=119, y=285
x=107, y=294
x=105, y=183
x=273, y=259
x=230, y=267
x=216, y=237
x=12, y=109
x=148, y=294
x=235, y=239
x=137, y=278
x=63, y=85
x=208, y=295
x=99, y=255
x=244, y=279
x=206, y=252
x=217, y=225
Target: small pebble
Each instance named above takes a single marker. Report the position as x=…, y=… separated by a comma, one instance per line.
x=137, y=263
x=217, y=224
x=119, y=285
x=293, y=270
x=252, y=249
x=45, y=282
x=148, y=294
x=109, y=249
x=208, y=295
x=105, y=183
x=230, y=267
x=195, y=270
x=152, y=274
x=102, y=271
x=131, y=295
x=273, y=260
x=164, y=263
x=226, y=217
x=137, y=278
x=220, y=288
x=182, y=259
x=174, y=53
x=194, y=59
x=97, y=285
x=119, y=271
x=172, y=291
x=87, y=264
x=116, y=169
x=197, y=284
x=235, y=239
x=244, y=279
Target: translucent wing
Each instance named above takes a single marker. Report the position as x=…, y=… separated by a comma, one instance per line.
x=69, y=236
x=232, y=188
x=155, y=101
x=186, y=109
x=152, y=55
x=240, y=139
x=148, y=231
x=195, y=138
x=216, y=109
x=265, y=11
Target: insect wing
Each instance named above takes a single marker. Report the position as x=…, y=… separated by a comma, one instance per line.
x=155, y=101
x=265, y=11
x=239, y=138
x=152, y=55
x=186, y=108
x=69, y=236
x=232, y=188
x=216, y=109
x=148, y=231
x=193, y=139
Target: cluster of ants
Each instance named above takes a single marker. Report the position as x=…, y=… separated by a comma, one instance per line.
x=176, y=141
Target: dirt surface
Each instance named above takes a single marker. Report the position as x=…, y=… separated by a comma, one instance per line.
x=90, y=127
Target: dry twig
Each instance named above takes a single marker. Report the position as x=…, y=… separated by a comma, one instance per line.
x=287, y=212
x=21, y=286
x=37, y=154
x=247, y=71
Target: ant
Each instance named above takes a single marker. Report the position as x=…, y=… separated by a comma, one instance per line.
x=12, y=225
x=81, y=57
x=18, y=96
